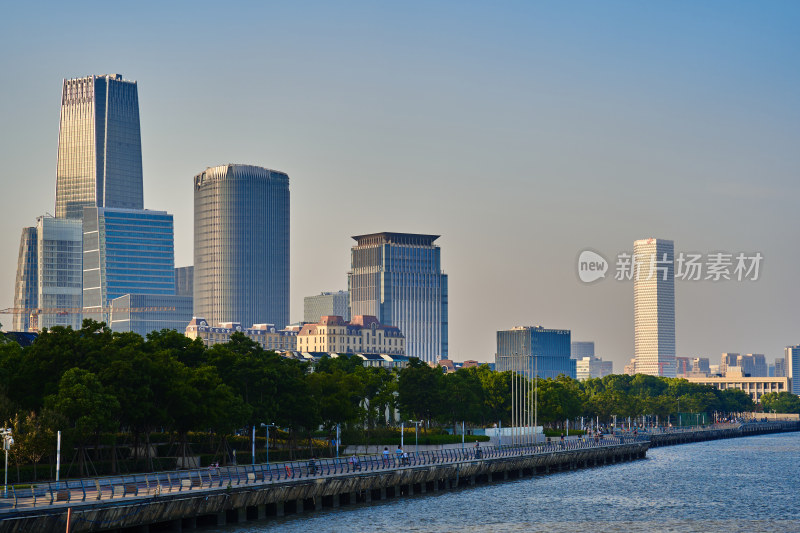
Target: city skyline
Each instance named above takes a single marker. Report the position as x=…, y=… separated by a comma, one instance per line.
x=553, y=116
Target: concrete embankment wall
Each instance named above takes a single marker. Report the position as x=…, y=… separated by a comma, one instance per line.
x=255, y=501
x=745, y=430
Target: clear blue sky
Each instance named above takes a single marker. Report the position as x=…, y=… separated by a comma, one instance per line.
x=521, y=132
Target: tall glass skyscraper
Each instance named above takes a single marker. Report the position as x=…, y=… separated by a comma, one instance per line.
x=654, y=307
x=241, y=245
x=535, y=349
x=99, y=146
x=125, y=251
x=58, y=272
x=398, y=278
x=26, y=285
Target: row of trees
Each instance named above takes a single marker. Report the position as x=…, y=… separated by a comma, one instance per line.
x=90, y=382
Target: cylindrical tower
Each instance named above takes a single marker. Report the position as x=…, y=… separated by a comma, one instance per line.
x=241, y=245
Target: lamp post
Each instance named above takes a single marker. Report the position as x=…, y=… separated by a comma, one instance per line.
x=263, y=425
x=416, y=435
x=8, y=442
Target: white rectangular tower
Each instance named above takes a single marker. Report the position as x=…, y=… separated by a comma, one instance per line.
x=654, y=307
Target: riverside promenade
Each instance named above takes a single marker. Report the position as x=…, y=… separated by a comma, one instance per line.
x=173, y=501
x=178, y=500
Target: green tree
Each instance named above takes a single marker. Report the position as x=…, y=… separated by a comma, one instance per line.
x=780, y=402
x=86, y=405
x=419, y=389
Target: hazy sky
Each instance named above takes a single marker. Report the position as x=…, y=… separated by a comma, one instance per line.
x=521, y=133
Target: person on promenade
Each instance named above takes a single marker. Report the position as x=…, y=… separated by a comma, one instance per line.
x=562, y=439
x=355, y=463
x=478, y=452
x=385, y=456
x=399, y=454
x=312, y=465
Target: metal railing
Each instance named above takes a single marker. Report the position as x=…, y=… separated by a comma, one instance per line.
x=172, y=482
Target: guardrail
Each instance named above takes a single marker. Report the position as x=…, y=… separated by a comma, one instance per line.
x=158, y=483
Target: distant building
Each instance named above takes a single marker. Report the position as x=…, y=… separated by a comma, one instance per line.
x=363, y=334
x=398, y=278
x=99, y=146
x=326, y=304
x=592, y=367
x=144, y=313
x=756, y=387
x=26, y=286
x=792, y=358
x=630, y=368
x=700, y=365
x=125, y=251
x=654, y=307
x=683, y=366
x=267, y=335
x=241, y=245
x=545, y=350
x=184, y=281
x=470, y=363
x=780, y=367
x=387, y=361
x=581, y=349
x=59, y=273
x=727, y=359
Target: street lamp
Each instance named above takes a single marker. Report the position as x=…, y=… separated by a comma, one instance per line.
x=416, y=435
x=266, y=445
x=8, y=442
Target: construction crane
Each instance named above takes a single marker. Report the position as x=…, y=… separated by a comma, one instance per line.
x=73, y=310
x=35, y=312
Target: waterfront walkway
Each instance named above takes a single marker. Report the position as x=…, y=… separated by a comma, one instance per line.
x=128, y=487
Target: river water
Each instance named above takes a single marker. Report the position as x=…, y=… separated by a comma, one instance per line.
x=738, y=485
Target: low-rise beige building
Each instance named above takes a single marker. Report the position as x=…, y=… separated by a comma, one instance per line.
x=755, y=387
x=363, y=334
x=278, y=340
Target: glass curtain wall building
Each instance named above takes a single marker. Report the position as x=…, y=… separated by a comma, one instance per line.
x=241, y=245
x=99, y=146
x=26, y=285
x=125, y=251
x=326, y=304
x=397, y=277
x=536, y=349
x=654, y=307
x=59, y=272
x=143, y=313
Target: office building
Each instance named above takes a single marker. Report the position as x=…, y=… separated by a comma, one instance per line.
x=363, y=334
x=326, y=304
x=780, y=367
x=125, y=251
x=99, y=146
x=792, y=358
x=241, y=245
x=592, y=367
x=266, y=335
x=727, y=359
x=683, y=366
x=184, y=278
x=581, y=349
x=701, y=365
x=397, y=278
x=756, y=387
x=630, y=368
x=654, y=307
x=537, y=350
x=59, y=273
x=143, y=313
x=26, y=286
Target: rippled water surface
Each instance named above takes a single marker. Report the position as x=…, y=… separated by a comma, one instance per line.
x=738, y=485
